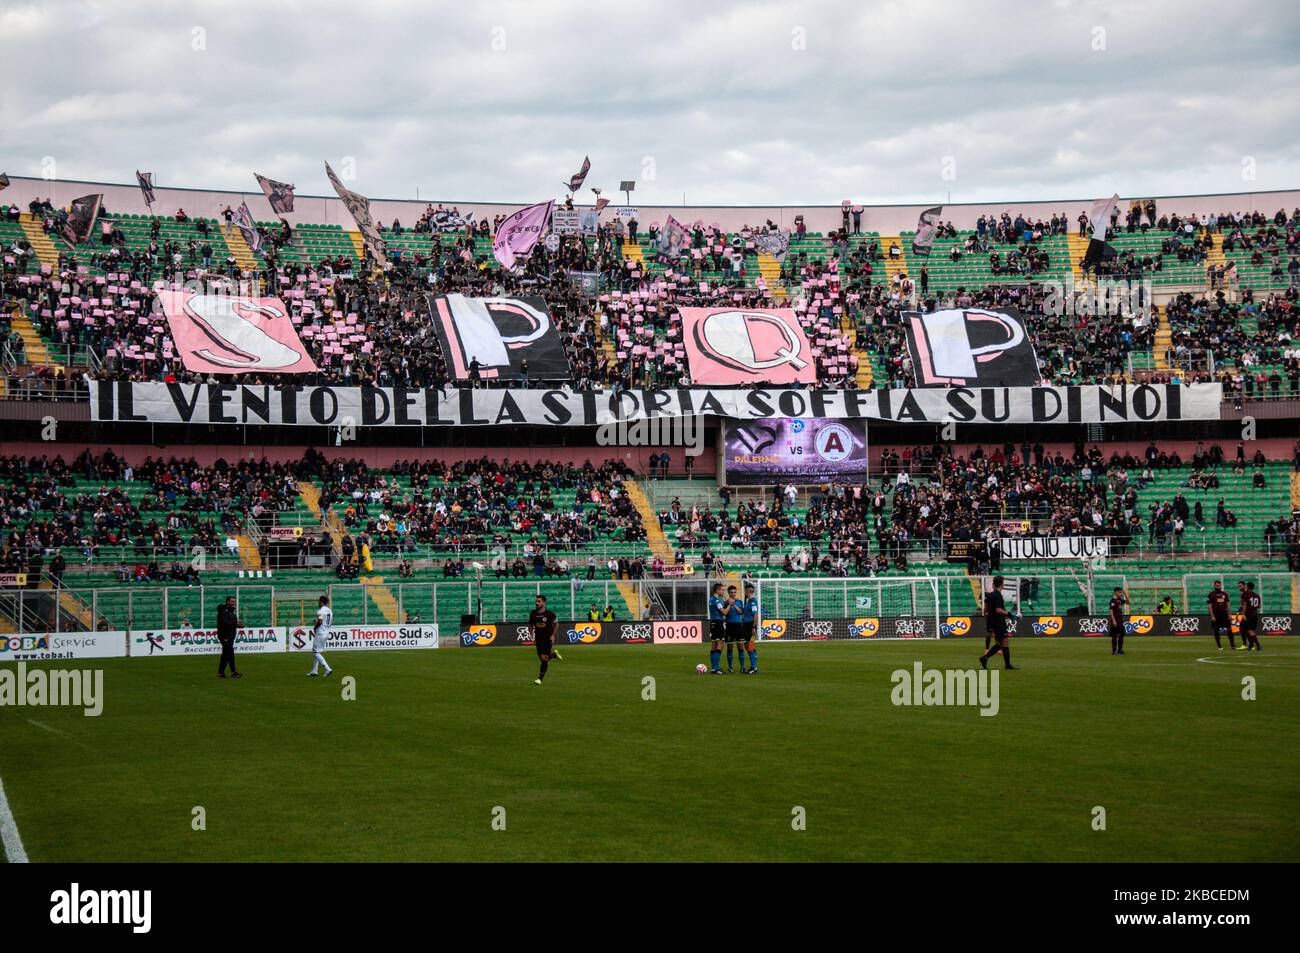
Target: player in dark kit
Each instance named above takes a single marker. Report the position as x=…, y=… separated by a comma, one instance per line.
x=997, y=617
x=1220, y=615
x=1251, y=604
x=1115, y=620
x=717, y=628
x=734, y=630
x=542, y=621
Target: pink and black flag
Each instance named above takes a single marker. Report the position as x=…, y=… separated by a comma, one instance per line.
x=359, y=207
x=927, y=227
x=145, y=181
x=576, y=180
x=81, y=219
x=4, y=181
x=243, y=220
x=279, y=194
x=674, y=238
x=520, y=232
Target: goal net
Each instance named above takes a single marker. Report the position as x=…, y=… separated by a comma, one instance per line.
x=797, y=609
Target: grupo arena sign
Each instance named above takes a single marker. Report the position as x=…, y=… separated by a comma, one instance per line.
x=1032, y=625
x=322, y=405
x=577, y=632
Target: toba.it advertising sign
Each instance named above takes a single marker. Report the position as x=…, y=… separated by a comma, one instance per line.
x=164, y=643
x=52, y=646
x=353, y=638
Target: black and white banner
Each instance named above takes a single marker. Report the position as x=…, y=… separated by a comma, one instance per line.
x=500, y=334
x=443, y=220
x=1054, y=547
x=323, y=405
x=145, y=181
x=971, y=347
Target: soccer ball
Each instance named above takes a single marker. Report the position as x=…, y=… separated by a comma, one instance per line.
x=701, y=669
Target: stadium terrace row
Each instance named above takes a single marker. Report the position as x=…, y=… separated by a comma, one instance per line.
x=101, y=511
x=94, y=309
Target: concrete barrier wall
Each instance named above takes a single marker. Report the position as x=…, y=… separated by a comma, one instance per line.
x=886, y=219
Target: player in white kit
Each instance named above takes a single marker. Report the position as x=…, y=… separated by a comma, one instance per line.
x=320, y=636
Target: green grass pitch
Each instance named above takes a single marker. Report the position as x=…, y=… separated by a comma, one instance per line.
x=712, y=769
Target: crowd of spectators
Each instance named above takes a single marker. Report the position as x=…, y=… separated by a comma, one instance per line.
x=621, y=328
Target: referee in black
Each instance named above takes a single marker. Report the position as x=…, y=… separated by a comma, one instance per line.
x=227, y=627
x=542, y=621
x=997, y=617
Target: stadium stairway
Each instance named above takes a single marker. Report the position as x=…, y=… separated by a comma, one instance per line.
x=1215, y=257
x=893, y=266
x=382, y=597
x=73, y=606
x=378, y=592
x=249, y=556
x=310, y=497
x=34, y=229
x=770, y=271
x=358, y=245
x=239, y=248
x=632, y=252
x=33, y=343
x=1078, y=246
x=1164, y=339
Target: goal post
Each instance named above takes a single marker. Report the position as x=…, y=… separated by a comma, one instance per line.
x=821, y=608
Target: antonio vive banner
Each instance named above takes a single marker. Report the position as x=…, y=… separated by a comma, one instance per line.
x=325, y=405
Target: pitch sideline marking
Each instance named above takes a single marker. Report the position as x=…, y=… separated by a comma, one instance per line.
x=44, y=727
x=13, y=842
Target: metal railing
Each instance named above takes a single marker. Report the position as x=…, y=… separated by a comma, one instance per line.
x=1076, y=591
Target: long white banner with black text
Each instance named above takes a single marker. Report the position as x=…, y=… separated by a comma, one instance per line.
x=325, y=405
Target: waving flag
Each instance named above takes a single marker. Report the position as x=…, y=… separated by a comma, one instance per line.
x=279, y=194
x=359, y=206
x=601, y=205
x=520, y=232
x=576, y=180
x=145, y=180
x=4, y=181
x=243, y=220
x=674, y=238
x=1099, y=249
x=926, y=229
x=81, y=219
x=776, y=244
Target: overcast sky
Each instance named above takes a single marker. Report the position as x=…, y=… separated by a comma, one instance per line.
x=723, y=103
